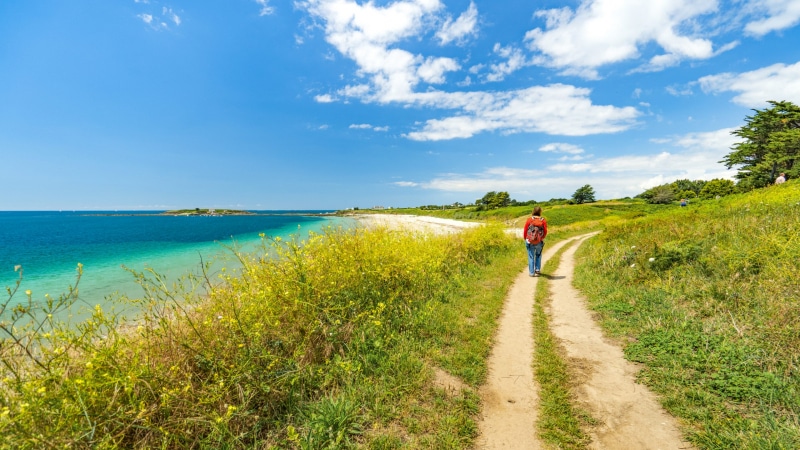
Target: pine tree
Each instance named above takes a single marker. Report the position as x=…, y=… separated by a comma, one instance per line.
x=770, y=145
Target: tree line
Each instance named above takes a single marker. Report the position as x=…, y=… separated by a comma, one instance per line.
x=494, y=199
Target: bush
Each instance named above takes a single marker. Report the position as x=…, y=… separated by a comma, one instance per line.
x=717, y=188
x=661, y=195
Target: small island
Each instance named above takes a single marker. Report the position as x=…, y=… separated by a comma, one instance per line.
x=207, y=212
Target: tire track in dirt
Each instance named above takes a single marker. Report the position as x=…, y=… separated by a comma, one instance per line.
x=509, y=398
x=629, y=413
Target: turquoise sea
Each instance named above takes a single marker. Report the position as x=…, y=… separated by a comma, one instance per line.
x=49, y=245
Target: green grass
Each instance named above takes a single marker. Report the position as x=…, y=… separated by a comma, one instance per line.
x=705, y=298
x=332, y=342
x=585, y=215
x=561, y=423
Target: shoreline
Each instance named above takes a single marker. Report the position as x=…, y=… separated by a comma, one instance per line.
x=413, y=223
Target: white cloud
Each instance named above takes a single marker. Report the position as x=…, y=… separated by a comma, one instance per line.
x=368, y=34
x=773, y=15
x=661, y=62
x=170, y=14
x=627, y=163
x=694, y=156
x=433, y=69
x=719, y=141
x=601, y=32
x=406, y=184
x=679, y=91
x=366, y=126
x=360, y=91
x=265, y=8
x=457, y=30
x=556, y=109
x=467, y=81
x=515, y=60
x=776, y=82
x=324, y=98
x=560, y=147
x=161, y=22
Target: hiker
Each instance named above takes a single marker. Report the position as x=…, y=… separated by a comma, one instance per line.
x=781, y=178
x=534, y=233
x=683, y=202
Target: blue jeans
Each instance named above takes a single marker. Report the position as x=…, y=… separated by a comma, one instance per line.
x=534, y=257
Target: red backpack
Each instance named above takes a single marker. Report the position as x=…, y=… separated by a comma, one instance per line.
x=535, y=232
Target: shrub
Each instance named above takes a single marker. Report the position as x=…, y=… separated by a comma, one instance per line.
x=717, y=187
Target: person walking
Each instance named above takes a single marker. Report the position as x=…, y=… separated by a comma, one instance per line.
x=534, y=233
x=781, y=178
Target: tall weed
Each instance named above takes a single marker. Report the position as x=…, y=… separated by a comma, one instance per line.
x=309, y=345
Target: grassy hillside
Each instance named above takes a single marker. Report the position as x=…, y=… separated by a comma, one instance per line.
x=557, y=215
x=329, y=344
x=706, y=298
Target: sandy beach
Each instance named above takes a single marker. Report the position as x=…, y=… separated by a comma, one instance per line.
x=414, y=223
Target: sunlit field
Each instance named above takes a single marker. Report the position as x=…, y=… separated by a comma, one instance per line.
x=705, y=297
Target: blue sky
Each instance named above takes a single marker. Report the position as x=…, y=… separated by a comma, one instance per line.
x=332, y=104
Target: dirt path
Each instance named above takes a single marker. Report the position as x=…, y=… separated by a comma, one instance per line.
x=510, y=397
x=629, y=414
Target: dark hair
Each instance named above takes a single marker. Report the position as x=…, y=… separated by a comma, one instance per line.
x=537, y=211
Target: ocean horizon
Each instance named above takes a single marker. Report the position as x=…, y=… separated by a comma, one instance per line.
x=49, y=245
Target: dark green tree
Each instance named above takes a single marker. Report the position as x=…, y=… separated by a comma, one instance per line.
x=662, y=195
x=687, y=185
x=584, y=194
x=494, y=200
x=770, y=145
x=487, y=199
x=717, y=187
x=501, y=199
